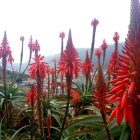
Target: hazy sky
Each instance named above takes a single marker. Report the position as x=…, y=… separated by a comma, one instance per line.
x=44, y=19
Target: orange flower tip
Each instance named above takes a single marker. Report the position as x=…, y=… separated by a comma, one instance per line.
x=62, y=35
x=94, y=23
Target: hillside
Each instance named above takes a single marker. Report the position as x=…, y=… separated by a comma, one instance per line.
x=82, y=54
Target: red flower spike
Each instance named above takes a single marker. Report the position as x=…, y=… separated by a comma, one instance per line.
x=98, y=52
x=100, y=93
x=116, y=37
x=5, y=49
x=69, y=64
x=87, y=66
x=94, y=23
x=75, y=97
x=128, y=64
x=32, y=95
x=41, y=67
x=36, y=46
x=104, y=45
x=30, y=45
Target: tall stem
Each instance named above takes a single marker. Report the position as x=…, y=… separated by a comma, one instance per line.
x=39, y=103
x=66, y=113
x=105, y=124
x=4, y=63
x=62, y=46
x=21, y=57
x=92, y=44
x=28, y=62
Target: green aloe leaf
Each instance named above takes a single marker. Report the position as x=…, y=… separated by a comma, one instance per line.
x=83, y=119
x=125, y=133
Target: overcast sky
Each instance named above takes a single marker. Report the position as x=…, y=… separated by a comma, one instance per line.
x=44, y=19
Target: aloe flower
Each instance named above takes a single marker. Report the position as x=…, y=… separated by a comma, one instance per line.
x=69, y=66
x=116, y=39
x=32, y=97
x=112, y=62
x=53, y=83
x=38, y=70
x=100, y=94
x=36, y=47
x=114, y=57
x=98, y=53
x=87, y=68
x=38, y=66
x=4, y=53
x=75, y=97
x=104, y=47
x=94, y=23
x=126, y=89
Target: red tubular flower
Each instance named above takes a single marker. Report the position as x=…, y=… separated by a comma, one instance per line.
x=39, y=70
x=75, y=97
x=101, y=96
x=38, y=65
x=112, y=62
x=98, y=52
x=10, y=58
x=69, y=64
x=87, y=67
x=31, y=96
x=5, y=49
x=104, y=47
x=127, y=74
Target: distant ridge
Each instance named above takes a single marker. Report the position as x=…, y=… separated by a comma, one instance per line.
x=82, y=55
